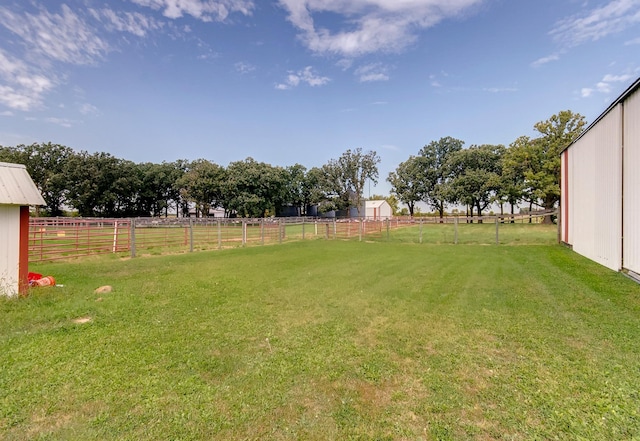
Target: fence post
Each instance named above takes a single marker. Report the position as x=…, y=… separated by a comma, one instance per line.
x=191, y=235
x=280, y=230
x=133, y=238
x=497, y=227
x=360, y=226
x=455, y=230
x=219, y=234
x=420, y=230
x=303, y=228
x=335, y=229
x=244, y=232
x=115, y=236
x=388, y=227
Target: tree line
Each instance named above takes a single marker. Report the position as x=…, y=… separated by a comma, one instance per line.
x=440, y=174
x=102, y=185
x=528, y=171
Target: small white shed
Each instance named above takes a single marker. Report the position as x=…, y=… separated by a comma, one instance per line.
x=17, y=193
x=376, y=210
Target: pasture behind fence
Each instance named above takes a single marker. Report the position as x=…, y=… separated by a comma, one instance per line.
x=63, y=238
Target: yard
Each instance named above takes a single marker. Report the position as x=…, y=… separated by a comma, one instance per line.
x=325, y=340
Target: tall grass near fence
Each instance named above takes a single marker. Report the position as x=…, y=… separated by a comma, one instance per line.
x=325, y=340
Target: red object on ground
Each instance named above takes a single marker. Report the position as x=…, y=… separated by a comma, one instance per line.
x=36, y=279
x=45, y=281
x=32, y=277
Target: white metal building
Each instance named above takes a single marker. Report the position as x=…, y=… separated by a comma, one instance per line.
x=17, y=192
x=376, y=210
x=600, y=201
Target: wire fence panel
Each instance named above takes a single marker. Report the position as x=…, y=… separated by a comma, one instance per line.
x=64, y=238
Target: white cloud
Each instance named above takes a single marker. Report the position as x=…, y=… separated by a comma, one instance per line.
x=89, y=109
x=433, y=79
x=133, y=22
x=632, y=42
x=372, y=72
x=48, y=40
x=21, y=86
x=205, y=10
x=617, y=78
x=500, y=89
x=605, y=85
x=6, y=113
x=305, y=75
x=244, y=68
x=62, y=37
x=615, y=16
x=545, y=60
x=64, y=122
x=345, y=63
x=369, y=25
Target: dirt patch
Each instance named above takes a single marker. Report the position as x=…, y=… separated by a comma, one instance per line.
x=103, y=289
x=81, y=320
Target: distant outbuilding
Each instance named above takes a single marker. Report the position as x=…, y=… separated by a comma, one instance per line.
x=600, y=183
x=376, y=210
x=17, y=193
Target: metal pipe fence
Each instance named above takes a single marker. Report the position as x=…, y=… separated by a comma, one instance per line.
x=65, y=238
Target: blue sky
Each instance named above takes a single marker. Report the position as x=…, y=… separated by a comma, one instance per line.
x=301, y=81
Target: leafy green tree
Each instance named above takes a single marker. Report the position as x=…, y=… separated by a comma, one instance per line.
x=203, y=185
x=434, y=159
x=45, y=163
x=294, y=180
x=476, y=175
x=515, y=161
x=543, y=174
x=157, y=188
x=254, y=189
x=408, y=182
x=126, y=186
x=345, y=177
x=178, y=169
x=9, y=154
x=90, y=179
x=313, y=187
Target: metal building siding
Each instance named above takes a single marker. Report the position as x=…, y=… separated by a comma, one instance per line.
x=571, y=211
x=17, y=187
x=10, y=249
x=595, y=208
x=631, y=215
x=564, y=197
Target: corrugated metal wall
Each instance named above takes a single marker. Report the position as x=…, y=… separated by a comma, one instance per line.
x=631, y=252
x=594, y=192
x=9, y=253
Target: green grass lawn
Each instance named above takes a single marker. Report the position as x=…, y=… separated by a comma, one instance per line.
x=325, y=340
x=483, y=234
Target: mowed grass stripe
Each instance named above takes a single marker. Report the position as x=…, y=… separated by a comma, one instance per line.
x=326, y=340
